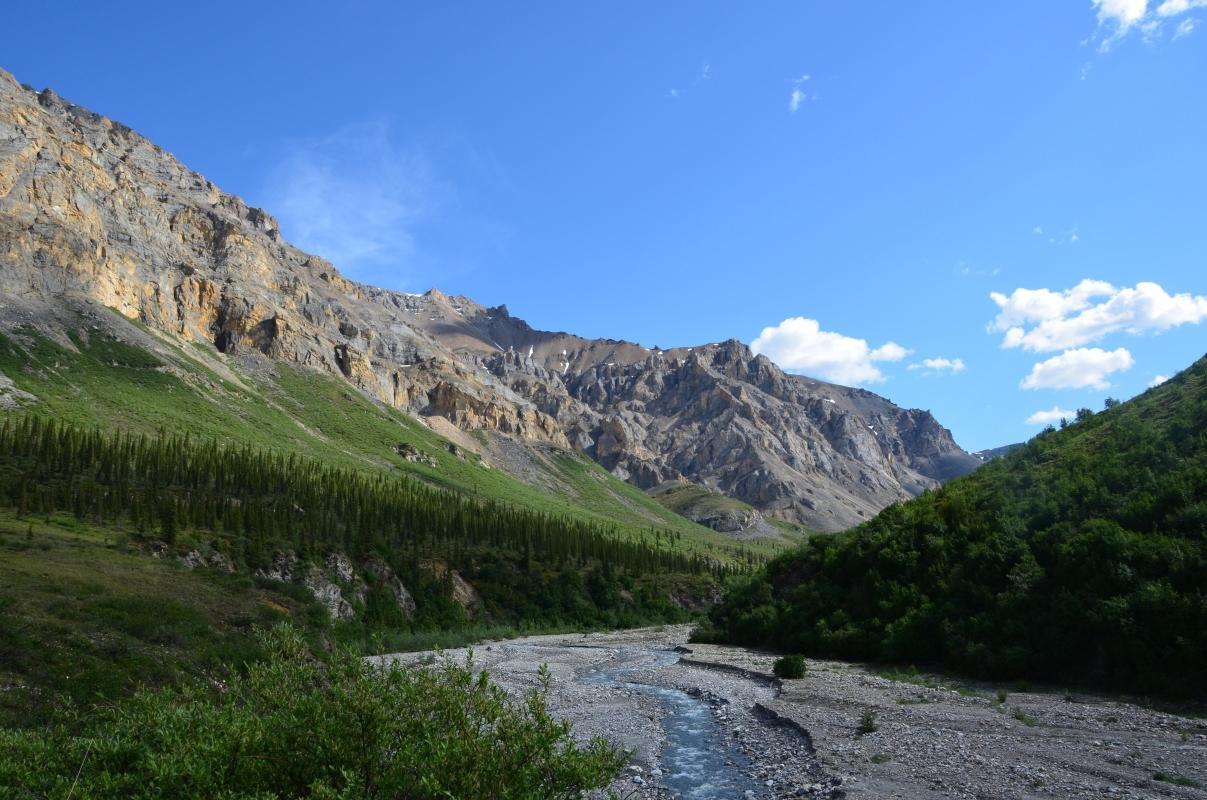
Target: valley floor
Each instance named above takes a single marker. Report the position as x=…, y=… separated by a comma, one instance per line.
x=734, y=731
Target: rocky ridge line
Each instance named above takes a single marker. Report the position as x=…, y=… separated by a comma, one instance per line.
x=92, y=211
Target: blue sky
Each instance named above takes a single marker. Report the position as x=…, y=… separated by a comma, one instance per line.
x=860, y=179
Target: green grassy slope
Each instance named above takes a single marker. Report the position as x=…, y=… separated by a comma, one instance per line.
x=692, y=498
x=180, y=388
x=84, y=615
x=98, y=600
x=693, y=501
x=1081, y=557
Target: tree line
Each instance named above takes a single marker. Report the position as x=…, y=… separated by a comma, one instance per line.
x=530, y=566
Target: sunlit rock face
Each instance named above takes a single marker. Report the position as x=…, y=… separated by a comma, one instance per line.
x=92, y=212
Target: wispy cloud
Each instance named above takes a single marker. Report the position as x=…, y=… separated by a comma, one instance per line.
x=1053, y=414
x=798, y=95
x=967, y=270
x=1171, y=8
x=687, y=87
x=799, y=343
x=1069, y=236
x=1117, y=19
x=939, y=366
x=354, y=197
x=1157, y=380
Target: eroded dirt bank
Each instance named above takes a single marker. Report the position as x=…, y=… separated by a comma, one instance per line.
x=744, y=734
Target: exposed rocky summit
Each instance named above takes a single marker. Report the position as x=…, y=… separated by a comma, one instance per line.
x=997, y=452
x=92, y=212
x=809, y=451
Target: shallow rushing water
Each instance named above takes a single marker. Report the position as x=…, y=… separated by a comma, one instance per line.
x=698, y=762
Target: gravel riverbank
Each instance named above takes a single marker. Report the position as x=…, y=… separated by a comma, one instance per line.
x=802, y=739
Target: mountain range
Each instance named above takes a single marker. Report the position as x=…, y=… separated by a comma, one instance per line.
x=94, y=216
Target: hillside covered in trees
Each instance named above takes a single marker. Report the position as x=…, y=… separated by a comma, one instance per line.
x=1081, y=558
x=80, y=508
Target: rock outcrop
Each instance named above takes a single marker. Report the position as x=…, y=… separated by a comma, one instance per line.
x=11, y=396
x=461, y=590
x=338, y=583
x=92, y=212
x=385, y=576
x=208, y=558
x=823, y=455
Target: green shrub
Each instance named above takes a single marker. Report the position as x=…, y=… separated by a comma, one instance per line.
x=867, y=723
x=1024, y=717
x=789, y=667
x=295, y=727
x=1177, y=780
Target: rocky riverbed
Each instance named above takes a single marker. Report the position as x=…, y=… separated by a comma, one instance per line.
x=705, y=721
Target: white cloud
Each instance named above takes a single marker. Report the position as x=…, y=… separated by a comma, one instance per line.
x=354, y=197
x=1069, y=318
x=798, y=95
x=939, y=365
x=1078, y=369
x=1053, y=414
x=1038, y=230
x=1185, y=28
x=799, y=343
x=889, y=351
x=1157, y=380
x=673, y=94
x=1123, y=13
x=1171, y=8
x=1040, y=305
x=1123, y=16
x=705, y=72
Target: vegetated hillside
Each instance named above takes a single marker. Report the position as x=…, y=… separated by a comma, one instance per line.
x=722, y=513
x=94, y=216
x=144, y=383
x=1081, y=557
x=380, y=554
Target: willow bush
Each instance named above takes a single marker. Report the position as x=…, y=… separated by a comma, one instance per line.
x=292, y=726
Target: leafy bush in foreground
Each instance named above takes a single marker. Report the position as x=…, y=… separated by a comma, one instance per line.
x=292, y=727
x=790, y=667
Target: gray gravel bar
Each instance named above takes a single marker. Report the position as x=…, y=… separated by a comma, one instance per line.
x=934, y=737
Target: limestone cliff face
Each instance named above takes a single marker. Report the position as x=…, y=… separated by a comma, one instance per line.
x=92, y=212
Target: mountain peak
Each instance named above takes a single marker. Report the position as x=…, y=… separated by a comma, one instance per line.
x=95, y=213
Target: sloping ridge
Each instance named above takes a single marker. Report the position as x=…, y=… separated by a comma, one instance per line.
x=1079, y=557
x=91, y=211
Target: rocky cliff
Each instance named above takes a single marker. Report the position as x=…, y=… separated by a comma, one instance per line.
x=93, y=213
